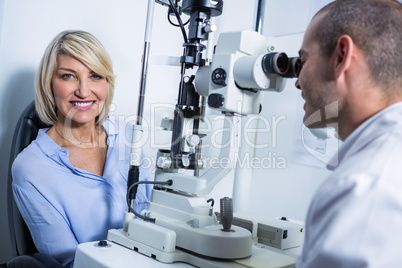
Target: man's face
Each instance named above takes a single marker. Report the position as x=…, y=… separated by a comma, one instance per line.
x=317, y=81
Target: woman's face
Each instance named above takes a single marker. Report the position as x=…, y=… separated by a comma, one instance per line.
x=79, y=92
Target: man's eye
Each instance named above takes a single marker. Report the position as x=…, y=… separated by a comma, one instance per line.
x=298, y=66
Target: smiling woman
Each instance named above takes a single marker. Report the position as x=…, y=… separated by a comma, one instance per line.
x=82, y=50
x=80, y=95
x=74, y=174
x=79, y=92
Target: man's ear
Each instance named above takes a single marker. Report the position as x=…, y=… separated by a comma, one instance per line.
x=343, y=54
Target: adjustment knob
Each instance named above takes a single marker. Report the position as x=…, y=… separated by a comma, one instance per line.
x=209, y=28
x=219, y=77
x=193, y=140
x=163, y=162
x=102, y=243
x=216, y=100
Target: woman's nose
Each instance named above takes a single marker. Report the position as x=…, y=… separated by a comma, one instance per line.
x=83, y=90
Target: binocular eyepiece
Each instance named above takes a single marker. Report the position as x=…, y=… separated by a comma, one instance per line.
x=279, y=63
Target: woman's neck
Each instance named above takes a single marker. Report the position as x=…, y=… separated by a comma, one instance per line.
x=81, y=135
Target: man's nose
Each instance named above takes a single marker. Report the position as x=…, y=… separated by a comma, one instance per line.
x=297, y=85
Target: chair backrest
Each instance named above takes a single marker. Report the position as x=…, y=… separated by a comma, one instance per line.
x=25, y=132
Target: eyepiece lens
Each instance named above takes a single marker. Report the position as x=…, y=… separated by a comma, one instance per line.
x=282, y=63
x=297, y=66
x=275, y=63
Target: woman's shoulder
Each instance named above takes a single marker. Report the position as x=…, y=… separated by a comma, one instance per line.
x=30, y=160
x=31, y=152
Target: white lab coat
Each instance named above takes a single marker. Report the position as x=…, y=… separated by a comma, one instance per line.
x=355, y=218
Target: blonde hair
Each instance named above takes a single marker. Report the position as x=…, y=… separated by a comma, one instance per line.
x=88, y=50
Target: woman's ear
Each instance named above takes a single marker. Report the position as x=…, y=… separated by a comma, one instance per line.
x=343, y=54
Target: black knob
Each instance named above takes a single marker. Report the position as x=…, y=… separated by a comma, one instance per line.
x=219, y=77
x=226, y=213
x=102, y=243
x=216, y=100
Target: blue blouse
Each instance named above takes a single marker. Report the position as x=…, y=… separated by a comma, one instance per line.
x=63, y=205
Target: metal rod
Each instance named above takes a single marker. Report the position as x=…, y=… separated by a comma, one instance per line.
x=180, y=96
x=135, y=153
x=259, y=23
x=141, y=95
x=178, y=116
x=145, y=57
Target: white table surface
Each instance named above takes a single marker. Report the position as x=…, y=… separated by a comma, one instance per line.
x=115, y=256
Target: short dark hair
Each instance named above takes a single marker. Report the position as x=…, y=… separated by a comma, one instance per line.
x=375, y=26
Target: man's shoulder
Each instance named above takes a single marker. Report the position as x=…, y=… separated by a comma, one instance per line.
x=374, y=155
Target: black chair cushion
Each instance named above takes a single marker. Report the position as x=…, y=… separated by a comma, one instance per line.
x=25, y=132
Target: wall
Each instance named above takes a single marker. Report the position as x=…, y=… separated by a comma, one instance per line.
x=281, y=186
x=28, y=26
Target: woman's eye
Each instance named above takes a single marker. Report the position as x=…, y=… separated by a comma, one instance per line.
x=96, y=77
x=67, y=76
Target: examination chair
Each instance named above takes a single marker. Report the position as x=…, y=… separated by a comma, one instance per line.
x=23, y=249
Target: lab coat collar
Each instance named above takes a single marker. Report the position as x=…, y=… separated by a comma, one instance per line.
x=373, y=127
